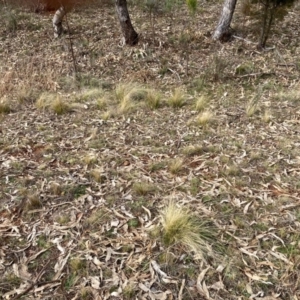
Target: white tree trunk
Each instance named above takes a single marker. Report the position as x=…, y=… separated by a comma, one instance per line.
x=222, y=30
x=130, y=35
x=57, y=21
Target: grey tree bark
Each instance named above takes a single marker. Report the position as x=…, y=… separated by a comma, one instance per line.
x=222, y=32
x=57, y=21
x=130, y=35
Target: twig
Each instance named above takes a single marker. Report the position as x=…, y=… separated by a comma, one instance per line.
x=34, y=283
x=71, y=47
x=255, y=74
x=174, y=72
x=240, y=38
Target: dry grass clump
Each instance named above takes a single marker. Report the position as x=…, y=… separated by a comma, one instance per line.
x=143, y=188
x=267, y=116
x=176, y=165
x=45, y=100
x=251, y=108
x=55, y=188
x=90, y=95
x=96, y=218
x=289, y=95
x=101, y=103
x=107, y=115
x=97, y=175
x=246, y=7
x=153, y=98
x=177, y=98
x=76, y=264
x=180, y=226
x=86, y=293
x=90, y=159
x=128, y=96
x=53, y=102
x=33, y=202
x=4, y=106
x=201, y=103
x=26, y=95
x=10, y=19
x=60, y=106
x=192, y=150
x=204, y=118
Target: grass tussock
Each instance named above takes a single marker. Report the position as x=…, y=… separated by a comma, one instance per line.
x=107, y=115
x=177, y=98
x=77, y=264
x=204, y=118
x=5, y=107
x=267, y=116
x=33, y=202
x=96, y=218
x=251, y=108
x=201, y=103
x=97, y=175
x=153, y=99
x=180, y=226
x=143, y=188
x=53, y=102
x=101, y=103
x=292, y=96
x=176, y=165
x=59, y=106
x=26, y=95
x=90, y=159
x=86, y=293
x=129, y=97
x=192, y=150
x=93, y=94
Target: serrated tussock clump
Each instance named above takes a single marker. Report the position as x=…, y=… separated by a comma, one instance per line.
x=177, y=98
x=91, y=94
x=143, y=188
x=60, y=106
x=204, y=118
x=153, y=99
x=192, y=150
x=4, y=106
x=26, y=95
x=129, y=95
x=176, y=165
x=201, y=103
x=180, y=226
x=53, y=102
x=251, y=108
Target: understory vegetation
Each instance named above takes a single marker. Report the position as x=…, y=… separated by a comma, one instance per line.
x=169, y=170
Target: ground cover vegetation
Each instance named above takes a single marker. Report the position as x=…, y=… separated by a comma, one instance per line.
x=168, y=170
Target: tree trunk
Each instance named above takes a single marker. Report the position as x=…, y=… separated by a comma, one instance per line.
x=222, y=32
x=268, y=16
x=57, y=21
x=130, y=35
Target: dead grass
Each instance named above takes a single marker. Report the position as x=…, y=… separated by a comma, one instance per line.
x=201, y=103
x=204, y=118
x=177, y=98
x=143, y=188
x=180, y=226
x=176, y=165
x=5, y=107
x=53, y=102
x=153, y=99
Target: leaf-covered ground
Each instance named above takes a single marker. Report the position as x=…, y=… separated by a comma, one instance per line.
x=87, y=165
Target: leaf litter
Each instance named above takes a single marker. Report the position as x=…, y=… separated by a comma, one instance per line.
x=81, y=195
